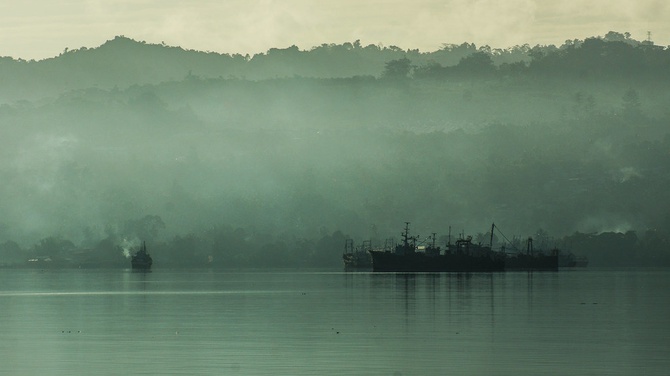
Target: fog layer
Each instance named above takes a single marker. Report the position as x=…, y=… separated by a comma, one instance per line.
x=275, y=159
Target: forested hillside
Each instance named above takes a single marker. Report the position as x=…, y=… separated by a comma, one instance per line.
x=275, y=159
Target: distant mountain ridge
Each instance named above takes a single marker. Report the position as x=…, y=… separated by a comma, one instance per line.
x=123, y=62
x=270, y=159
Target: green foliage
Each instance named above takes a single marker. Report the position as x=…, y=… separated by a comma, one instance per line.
x=145, y=228
x=478, y=64
x=221, y=171
x=11, y=254
x=397, y=69
x=631, y=103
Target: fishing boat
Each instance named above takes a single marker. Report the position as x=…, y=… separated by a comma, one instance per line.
x=570, y=260
x=141, y=260
x=532, y=259
x=463, y=256
x=581, y=261
x=359, y=257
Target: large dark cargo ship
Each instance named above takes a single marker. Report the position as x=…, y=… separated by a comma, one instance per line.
x=464, y=256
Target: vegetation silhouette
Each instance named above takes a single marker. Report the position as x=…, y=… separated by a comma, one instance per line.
x=273, y=160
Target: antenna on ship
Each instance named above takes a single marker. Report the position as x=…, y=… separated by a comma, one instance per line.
x=449, y=238
x=405, y=235
x=493, y=226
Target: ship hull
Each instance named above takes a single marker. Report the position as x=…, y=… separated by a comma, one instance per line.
x=528, y=262
x=141, y=260
x=357, y=260
x=141, y=265
x=420, y=262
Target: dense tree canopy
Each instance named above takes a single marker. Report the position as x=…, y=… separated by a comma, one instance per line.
x=275, y=159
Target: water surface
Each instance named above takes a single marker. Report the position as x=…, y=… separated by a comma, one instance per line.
x=581, y=322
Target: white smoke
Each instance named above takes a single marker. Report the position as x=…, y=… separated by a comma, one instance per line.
x=129, y=246
x=607, y=222
x=627, y=173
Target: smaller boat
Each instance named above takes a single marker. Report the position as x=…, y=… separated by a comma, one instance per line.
x=532, y=259
x=141, y=260
x=570, y=260
x=357, y=258
x=581, y=261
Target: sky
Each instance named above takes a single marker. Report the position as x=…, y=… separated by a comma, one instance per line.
x=39, y=29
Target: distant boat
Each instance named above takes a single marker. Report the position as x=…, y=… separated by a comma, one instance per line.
x=570, y=260
x=357, y=258
x=532, y=259
x=581, y=261
x=141, y=260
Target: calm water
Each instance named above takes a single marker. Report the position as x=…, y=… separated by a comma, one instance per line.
x=108, y=322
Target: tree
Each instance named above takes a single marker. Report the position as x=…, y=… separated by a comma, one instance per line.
x=397, y=69
x=479, y=63
x=614, y=36
x=145, y=228
x=631, y=102
x=55, y=247
x=11, y=253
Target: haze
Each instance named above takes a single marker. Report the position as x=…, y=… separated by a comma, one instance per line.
x=274, y=153
x=41, y=29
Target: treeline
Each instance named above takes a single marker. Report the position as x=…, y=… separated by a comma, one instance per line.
x=599, y=174
x=228, y=247
x=221, y=246
x=129, y=141
x=123, y=62
x=593, y=59
x=629, y=248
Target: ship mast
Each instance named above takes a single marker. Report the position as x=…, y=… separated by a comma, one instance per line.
x=493, y=226
x=405, y=235
x=529, y=246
